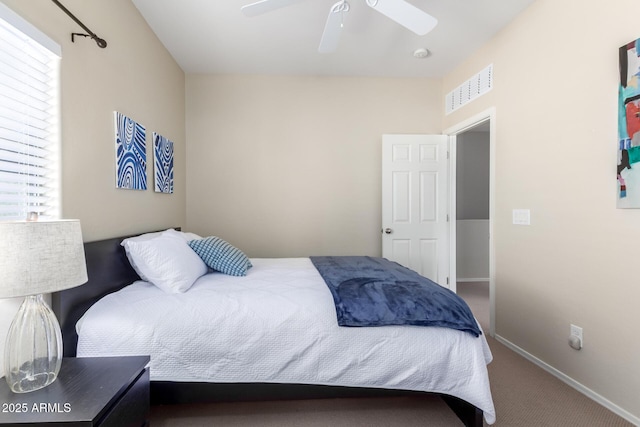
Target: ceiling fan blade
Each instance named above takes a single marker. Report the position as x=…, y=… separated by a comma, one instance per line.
x=333, y=27
x=264, y=6
x=405, y=14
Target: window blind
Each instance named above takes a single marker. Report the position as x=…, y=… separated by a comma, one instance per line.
x=29, y=110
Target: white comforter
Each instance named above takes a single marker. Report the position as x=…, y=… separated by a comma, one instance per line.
x=278, y=324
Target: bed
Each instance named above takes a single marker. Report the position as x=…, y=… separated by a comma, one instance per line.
x=455, y=368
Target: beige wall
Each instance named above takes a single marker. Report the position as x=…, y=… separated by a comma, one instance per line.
x=555, y=96
x=134, y=75
x=290, y=166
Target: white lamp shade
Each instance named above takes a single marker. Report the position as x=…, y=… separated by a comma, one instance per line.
x=40, y=257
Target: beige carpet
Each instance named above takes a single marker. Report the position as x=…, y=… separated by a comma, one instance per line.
x=524, y=396
x=476, y=294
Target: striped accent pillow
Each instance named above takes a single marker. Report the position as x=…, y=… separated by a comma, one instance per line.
x=221, y=256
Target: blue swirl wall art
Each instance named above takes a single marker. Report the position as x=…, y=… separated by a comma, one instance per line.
x=131, y=153
x=163, y=162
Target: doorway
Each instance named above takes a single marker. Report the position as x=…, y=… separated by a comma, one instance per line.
x=473, y=217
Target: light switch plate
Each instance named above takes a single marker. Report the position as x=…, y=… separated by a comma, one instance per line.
x=522, y=216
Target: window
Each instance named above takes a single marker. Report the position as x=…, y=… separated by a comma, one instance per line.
x=29, y=112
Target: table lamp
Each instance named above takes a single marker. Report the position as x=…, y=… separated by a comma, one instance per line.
x=37, y=257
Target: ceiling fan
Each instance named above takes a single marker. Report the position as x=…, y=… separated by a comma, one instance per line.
x=399, y=11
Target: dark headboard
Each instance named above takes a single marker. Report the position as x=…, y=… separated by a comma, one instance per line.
x=108, y=270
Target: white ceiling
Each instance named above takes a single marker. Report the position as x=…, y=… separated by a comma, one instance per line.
x=214, y=36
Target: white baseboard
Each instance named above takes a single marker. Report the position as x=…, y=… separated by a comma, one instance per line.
x=481, y=279
x=571, y=382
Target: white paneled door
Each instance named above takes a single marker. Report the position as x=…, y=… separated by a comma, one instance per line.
x=415, y=200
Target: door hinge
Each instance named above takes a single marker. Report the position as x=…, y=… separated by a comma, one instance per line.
x=447, y=217
x=447, y=280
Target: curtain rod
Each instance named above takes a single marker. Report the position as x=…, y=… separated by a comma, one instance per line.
x=100, y=42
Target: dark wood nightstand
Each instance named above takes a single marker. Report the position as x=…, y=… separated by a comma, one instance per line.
x=92, y=391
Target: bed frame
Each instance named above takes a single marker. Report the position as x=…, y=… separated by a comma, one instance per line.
x=109, y=270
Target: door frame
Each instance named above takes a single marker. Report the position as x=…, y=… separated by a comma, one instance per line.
x=453, y=131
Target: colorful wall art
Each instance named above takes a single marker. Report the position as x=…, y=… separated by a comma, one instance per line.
x=163, y=161
x=131, y=153
x=629, y=127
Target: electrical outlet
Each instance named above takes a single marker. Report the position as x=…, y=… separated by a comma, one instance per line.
x=576, y=331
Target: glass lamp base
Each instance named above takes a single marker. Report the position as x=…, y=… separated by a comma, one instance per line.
x=33, y=351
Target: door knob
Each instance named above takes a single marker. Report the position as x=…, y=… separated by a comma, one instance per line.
x=388, y=231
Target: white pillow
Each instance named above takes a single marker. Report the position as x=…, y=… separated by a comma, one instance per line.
x=148, y=236
x=183, y=234
x=141, y=238
x=166, y=260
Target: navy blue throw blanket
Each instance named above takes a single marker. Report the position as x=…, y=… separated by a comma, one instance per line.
x=377, y=292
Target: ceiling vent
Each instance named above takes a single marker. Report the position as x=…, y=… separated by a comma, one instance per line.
x=477, y=85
